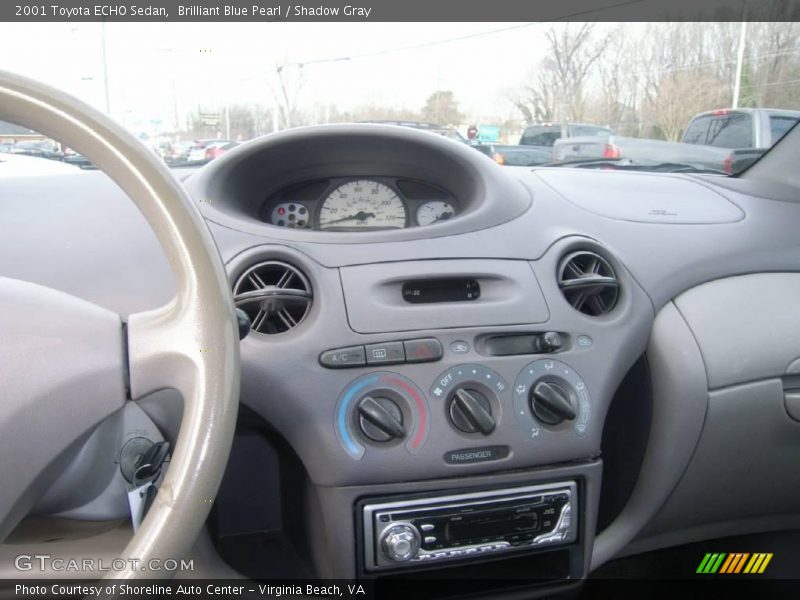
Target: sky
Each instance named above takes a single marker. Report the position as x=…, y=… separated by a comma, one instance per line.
x=156, y=68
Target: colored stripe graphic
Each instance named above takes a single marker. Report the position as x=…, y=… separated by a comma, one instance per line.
x=728, y=563
x=764, y=564
x=717, y=563
x=703, y=563
x=734, y=562
x=737, y=563
x=758, y=563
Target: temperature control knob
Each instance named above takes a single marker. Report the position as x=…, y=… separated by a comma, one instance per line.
x=551, y=403
x=471, y=412
x=400, y=542
x=380, y=419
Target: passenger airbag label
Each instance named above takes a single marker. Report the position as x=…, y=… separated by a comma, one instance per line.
x=476, y=455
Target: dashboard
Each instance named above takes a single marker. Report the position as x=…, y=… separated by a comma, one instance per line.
x=432, y=332
x=359, y=203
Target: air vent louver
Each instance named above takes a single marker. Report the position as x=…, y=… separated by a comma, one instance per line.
x=588, y=283
x=275, y=295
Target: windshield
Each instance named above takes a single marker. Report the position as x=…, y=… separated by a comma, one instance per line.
x=714, y=96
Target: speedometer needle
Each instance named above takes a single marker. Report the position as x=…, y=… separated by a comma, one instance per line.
x=360, y=216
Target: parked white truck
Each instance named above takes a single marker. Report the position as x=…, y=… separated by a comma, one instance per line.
x=725, y=140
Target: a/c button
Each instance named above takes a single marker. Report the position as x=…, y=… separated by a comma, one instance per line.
x=342, y=358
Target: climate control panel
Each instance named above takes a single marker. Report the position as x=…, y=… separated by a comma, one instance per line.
x=381, y=409
x=469, y=409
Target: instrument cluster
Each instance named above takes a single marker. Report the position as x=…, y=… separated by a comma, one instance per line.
x=359, y=204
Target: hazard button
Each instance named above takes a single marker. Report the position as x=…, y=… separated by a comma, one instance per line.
x=423, y=350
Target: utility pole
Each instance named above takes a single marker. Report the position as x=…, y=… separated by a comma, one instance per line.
x=105, y=66
x=737, y=84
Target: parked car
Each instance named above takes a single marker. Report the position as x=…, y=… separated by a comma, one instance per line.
x=198, y=154
x=74, y=158
x=515, y=156
x=545, y=134
x=39, y=148
x=217, y=149
x=725, y=140
x=178, y=153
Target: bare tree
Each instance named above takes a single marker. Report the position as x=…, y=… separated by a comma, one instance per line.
x=287, y=93
x=679, y=70
x=441, y=107
x=678, y=97
x=559, y=87
x=618, y=95
x=373, y=112
x=774, y=67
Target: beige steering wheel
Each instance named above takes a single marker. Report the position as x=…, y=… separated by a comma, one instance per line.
x=65, y=372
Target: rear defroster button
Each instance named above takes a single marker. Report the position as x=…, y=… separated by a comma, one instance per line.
x=385, y=354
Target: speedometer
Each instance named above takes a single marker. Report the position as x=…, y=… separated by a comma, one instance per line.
x=362, y=203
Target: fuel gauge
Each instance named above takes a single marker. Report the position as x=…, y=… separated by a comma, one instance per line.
x=434, y=212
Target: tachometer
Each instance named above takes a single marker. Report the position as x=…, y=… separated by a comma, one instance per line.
x=362, y=203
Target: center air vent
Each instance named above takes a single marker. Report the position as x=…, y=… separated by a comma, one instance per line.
x=588, y=283
x=275, y=295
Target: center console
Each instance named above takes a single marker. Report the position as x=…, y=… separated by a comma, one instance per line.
x=446, y=414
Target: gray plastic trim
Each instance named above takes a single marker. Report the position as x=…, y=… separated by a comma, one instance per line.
x=91, y=486
x=747, y=326
x=509, y=295
x=745, y=466
x=679, y=408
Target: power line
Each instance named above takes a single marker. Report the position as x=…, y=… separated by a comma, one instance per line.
x=774, y=83
x=454, y=39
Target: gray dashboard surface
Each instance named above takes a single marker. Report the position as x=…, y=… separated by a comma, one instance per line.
x=82, y=236
x=648, y=198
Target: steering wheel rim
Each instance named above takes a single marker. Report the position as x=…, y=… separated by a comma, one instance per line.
x=191, y=344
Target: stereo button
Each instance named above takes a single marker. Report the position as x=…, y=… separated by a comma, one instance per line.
x=427, y=527
x=430, y=539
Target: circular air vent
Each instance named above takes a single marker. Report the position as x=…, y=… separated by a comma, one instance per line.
x=275, y=295
x=588, y=283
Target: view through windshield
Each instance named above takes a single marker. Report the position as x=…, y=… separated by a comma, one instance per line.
x=707, y=97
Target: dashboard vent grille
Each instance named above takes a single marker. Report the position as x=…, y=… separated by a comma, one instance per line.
x=275, y=295
x=588, y=283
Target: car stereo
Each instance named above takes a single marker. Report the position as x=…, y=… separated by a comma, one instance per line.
x=435, y=529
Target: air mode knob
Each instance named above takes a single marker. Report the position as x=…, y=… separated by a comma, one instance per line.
x=400, y=542
x=552, y=403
